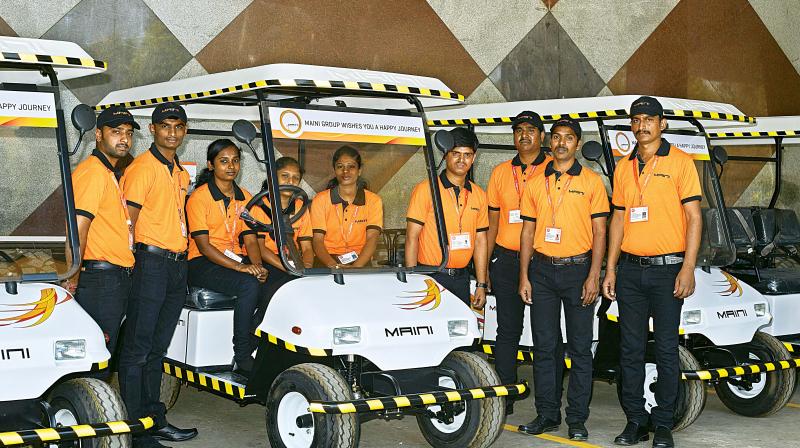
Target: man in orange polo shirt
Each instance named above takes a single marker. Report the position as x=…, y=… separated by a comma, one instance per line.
x=466, y=222
x=104, y=227
x=155, y=187
x=506, y=185
x=564, y=212
x=655, y=233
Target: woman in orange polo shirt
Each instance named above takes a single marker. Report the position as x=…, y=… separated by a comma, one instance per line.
x=215, y=249
x=346, y=218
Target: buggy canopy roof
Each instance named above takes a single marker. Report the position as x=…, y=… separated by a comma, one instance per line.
x=67, y=58
x=763, y=133
x=495, y=118
x=232, y=95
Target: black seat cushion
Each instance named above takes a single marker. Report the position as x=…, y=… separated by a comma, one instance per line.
x=774, y=281
x=788, y=227
x=205, y=299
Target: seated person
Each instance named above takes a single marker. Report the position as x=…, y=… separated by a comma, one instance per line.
x=215, y=252
x=346, y=219
x=466, y=220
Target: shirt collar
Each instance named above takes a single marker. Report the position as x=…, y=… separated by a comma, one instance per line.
x=360, y=200
x=218, y=195
x=104, y=161
x=663, y=150
x=516, y=161
x=157, y=154
x=574, y=170
x=447, y=184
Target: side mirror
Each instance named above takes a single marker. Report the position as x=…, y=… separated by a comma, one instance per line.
x=84, y=120
x=592, y=151
x=443, y=140
x=719, y=154
x=246, y=132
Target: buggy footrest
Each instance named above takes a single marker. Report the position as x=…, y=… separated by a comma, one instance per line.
x=411, y=400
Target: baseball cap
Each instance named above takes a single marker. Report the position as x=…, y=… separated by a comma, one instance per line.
x=527, y=116
x=647, y=105
x=570, y=123
x=115, y=116
x=169, y=110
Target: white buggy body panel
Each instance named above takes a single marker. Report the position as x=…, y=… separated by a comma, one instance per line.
x=379, y=304
x=785, y=310
x=203, y=338
x=726, y=305
x=30, y=324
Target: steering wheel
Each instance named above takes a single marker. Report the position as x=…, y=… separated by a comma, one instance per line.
x=259, y=226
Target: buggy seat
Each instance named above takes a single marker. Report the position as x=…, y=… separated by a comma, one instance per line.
x=203, y=299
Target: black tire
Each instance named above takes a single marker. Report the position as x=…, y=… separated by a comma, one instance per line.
x=691, y=394
x=771, y=391
x=311, y=382
x=89, y=400
x=170, y=390
x=481, y=421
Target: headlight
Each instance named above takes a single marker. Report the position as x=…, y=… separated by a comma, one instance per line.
x=70, y=349
x=761, y=309
x=346, y=335
x=692, y=317
x=457, y=328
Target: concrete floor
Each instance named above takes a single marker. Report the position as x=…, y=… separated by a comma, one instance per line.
x=223, y=423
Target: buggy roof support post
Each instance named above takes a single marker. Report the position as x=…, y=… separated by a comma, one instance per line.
x=66, y=178
x=778, y=171
x=608, y=156
x=434, y=183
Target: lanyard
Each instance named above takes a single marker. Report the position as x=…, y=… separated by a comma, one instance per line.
x=341, y=224
x=641, y=187
x=124, y=209
x=231, y=234
x=460, y=211
x=177, y=197
x=554, y=208
x=527, y=178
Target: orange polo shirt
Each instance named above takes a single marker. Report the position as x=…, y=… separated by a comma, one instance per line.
x=345, y=225
x=158, y=188
x=576, y=196
x=465, y=212
x=98, y=196
x=668, y=180
x=301, y=227
x=212, y=213
x=506, y=186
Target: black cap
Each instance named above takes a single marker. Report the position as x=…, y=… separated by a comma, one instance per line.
x=169, y=110
x=527, y=116
x=115, y=116
x=647, y=105
x=570, y=123
x=463, y=137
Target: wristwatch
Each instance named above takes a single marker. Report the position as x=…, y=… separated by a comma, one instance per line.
x=482, y=285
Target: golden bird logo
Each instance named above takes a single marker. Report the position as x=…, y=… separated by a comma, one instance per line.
x=733, y=286
x=41, y=309
x=430, y=295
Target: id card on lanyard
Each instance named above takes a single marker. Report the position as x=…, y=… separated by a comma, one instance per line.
x=351, y=255
x=642, y=212
x=124, y=210
x=231, y=229
x=460, y=240
x=552, y=234
x=178, y=201
x=514, y=216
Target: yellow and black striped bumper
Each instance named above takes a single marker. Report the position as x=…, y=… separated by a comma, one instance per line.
x=204, y=381
x=525, y=356
x=748, y=369
x=412, y=400
x=67, y=433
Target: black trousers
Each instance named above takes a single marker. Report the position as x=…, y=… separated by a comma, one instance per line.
x=458, y=284
x=103, y=293
x=204, y=273
x=504, y=273
x=644, y=292
x=158, y=293
x=554, y=287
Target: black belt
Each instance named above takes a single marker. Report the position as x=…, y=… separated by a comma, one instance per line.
x=509, y=252
x=657, y=260
x=452, y=272
x=175, y=256
x=89, y=265
x=564, y=261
